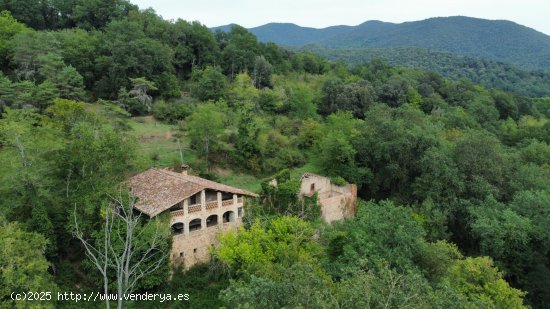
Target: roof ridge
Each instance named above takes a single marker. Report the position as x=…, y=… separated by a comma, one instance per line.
x=170, y=173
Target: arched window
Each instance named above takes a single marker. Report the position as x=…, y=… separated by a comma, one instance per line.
x=177, y=228
x=212, y=220
x=228, y=216
x=195, y=225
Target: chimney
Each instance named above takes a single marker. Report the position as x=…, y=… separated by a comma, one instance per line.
x=184, y=169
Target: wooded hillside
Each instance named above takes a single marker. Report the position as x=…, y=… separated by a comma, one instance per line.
x=454, y=178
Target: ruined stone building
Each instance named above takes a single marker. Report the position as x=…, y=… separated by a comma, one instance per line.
x=336, y=202
x=199, y=209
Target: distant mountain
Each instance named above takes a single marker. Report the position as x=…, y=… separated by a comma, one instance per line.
x=492, y=39
x=294, y=35
x=224, y=28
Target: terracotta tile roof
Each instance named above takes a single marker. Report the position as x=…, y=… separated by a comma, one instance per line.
x=158, y=190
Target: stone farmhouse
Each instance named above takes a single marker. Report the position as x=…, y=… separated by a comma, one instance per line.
x=199, y=209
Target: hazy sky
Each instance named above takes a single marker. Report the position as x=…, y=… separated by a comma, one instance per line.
x=323, y=13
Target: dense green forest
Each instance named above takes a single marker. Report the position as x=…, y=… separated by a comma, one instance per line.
x=488, y=73
x=454, y=178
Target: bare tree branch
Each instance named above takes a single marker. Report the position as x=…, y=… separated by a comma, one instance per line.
x=118, y=253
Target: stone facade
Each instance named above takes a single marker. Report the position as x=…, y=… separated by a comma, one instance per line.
x=195, y=227
x=336, y=202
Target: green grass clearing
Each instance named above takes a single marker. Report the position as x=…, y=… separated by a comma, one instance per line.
x=243, y=181
x=158, y=147
x=158, y=143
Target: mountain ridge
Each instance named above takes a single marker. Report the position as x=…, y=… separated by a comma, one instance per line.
x=499, y=40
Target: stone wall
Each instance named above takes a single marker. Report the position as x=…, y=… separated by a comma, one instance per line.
x=336, y=202
x=192, y=246
x=195, y=247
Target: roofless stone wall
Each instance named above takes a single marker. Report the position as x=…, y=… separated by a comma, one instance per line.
x=336, y=202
